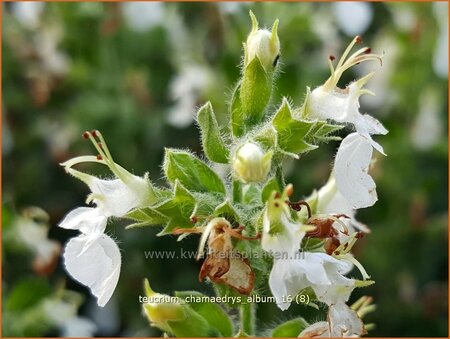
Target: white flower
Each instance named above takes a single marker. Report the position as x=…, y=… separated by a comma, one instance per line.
x=186, y=89
x=114, y=197
x=342, y=105
x=351, y=171
x=28, y=13
x=320, y=271
x=331, y=201
x=250, y=164
x=142, y=16
x=93, y=258
x=263, y=44
x=63, y=313
x=281, y=235
x=353, y=17
x=341, y=322
x=32, y=231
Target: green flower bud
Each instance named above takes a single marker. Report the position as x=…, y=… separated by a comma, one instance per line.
x=263, y=44
x=174, y=316
x=250, y=164
x=161, y=309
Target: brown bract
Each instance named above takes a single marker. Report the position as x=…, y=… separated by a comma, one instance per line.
x=223, y=265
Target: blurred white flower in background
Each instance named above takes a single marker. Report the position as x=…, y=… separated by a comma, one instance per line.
x=63, y=313
x=427, y=128
x=440, y=57
x=28, y=13
x=185, y=90
x=53, y=60
x=353, y=17
x=31, y=230
x=231, y=7
x=142, y=16
x=403, y=16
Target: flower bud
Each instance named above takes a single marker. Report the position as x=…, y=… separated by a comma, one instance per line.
x=176, y=317
x=161, y=309
x=250, y=164
x=263, y=44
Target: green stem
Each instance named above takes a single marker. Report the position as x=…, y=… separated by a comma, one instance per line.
x=247, y=315
x=280, y=177
x=237, y=191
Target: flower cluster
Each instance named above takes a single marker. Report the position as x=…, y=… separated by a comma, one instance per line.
x=308, y=242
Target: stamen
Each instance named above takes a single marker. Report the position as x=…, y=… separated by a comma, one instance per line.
x=296, y=206
x=237, y=235
x=98, y=148
x=205, y=235
x=104, y=146
x=355, y=262
x=358, y=39
x=368, y=50
x=99, y=157
x=85, y=135
x=331, y=58
x=289, y=190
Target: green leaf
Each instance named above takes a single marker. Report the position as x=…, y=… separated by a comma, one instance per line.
x=290, y=329
x=177, y=209
x=251, y=194
x=26, y=294
x=291, y=132
x=193, y=173
x=212, y=312
x=193, y=326
x=267, y=137
x=237, y=115
x=227, y=211
x=321, y=131
x=270, y=186
x=213, y=145
x=145, y=216
x=255, y=92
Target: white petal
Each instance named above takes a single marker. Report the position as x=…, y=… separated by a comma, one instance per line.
x=344, y=321
x=331, y=201
x=277, y=283
x=331, y=105
x=350, y=170
x=287, y=242
x=88, y=220
x=372, y=125
x=338, y=291
x=78, y=327
x=320, y=329
x=97, y=266
x=312, y=265
x=116, y=198
x=287, y=278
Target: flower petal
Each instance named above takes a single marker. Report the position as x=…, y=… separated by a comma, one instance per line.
x=344, y=321
x=319, y=329
x=78, y=327
x=88, y=220
x=372, y=125
x=114, y=196
x=350, y=170
x=277, y=283
x=97, y=266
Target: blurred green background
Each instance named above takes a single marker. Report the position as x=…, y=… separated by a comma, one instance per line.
x=138, y=71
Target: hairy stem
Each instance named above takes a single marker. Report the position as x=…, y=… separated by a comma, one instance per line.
x=237, y=191
x=247, y=315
